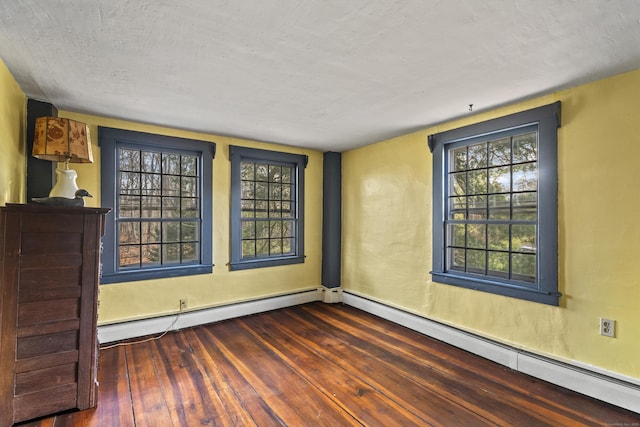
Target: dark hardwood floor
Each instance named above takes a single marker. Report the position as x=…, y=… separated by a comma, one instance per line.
x=320, y=364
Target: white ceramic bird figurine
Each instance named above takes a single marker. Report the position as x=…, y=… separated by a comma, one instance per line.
x=64, y=201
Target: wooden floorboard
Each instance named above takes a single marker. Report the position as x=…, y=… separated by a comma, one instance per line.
x=320, y=365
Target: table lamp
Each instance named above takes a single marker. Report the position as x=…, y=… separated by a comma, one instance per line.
x=62, y=140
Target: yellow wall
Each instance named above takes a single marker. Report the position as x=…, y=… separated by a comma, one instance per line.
x=13, y=107
x=134, y=300
x=387, y=233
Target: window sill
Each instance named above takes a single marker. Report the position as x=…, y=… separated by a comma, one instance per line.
x=155, y=273
x=505, y=289
x=266, y=262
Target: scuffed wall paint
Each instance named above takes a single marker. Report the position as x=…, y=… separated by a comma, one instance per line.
x=144, y=299
x=13, y=113
x=387, y=233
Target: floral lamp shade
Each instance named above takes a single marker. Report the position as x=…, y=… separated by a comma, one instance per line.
x=62, y=140
x=57, y=139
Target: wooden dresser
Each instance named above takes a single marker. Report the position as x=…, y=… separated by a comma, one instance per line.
x=49, y=266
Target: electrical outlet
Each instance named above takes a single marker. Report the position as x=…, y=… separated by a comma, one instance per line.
x=183, y=304
x=607, y=327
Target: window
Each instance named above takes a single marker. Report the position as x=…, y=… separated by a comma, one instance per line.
x=160, y=191
x=495, y=205
x=267, y=208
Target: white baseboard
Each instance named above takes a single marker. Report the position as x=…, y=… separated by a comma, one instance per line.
x=607, y=386
x=187, y=319
x=592, y=381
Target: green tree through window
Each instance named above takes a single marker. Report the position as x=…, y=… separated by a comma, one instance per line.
x=495, y=205
x=267, y=208
x=160, y=191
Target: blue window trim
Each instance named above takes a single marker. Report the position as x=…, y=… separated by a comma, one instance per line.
x=110, y=140
x=239, y=154
x=547, y=119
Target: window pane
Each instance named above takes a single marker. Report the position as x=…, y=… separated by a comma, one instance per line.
x=189, y=166
x=190, y=252
x=129, y=207
x=248, y=189
x=523, y=238
x=248, y=230
x=171, y=253
x=524, y=214
x=477, y=206
x=500, y=152
x=261, y=191
x=477, y=156
x=190, y=232
x=150, y=255
x=150, y=184
x=459, y=159
x=129, y=183
x=189, y=187
x=262, y=173
x=275, y=210
x=500, y=179
x=525, y=147
x=498, y=236
x=523, y=267
x=477, y=182
x=525, y=199
x=262, y=209
x=262, y=247
x=248, y=249
x=288, y=246
x=525, y=206
x=275, y=173
x=150, y=232
x=458, y=203
x=247, y=171
x=275, y=247
x=288, y=192
x=262, y=229
x=457, y=234
x=170, y=185
x=190, y=208
x=275, y=228
x=151, y=207
x=171, y=232
x=287, y=175
x=129, y=256
x=499, y=201
x=247, y=209
x=476, y=236
x=476, y=261
x=151, y=162
x=456, y=259
x=498, y=264
x=525, y=177
x=458, y=184
x=129, y=233
x=287, y=210
x=171, y=164
x=171, y=207
x=275, y=191
x=499, y=206
x=288, y=229
x=129, y=160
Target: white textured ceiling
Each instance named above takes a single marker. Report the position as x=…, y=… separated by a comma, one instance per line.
x=325, y=74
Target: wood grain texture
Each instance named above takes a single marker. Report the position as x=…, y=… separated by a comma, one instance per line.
x=321, y=365
x=49, y=261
